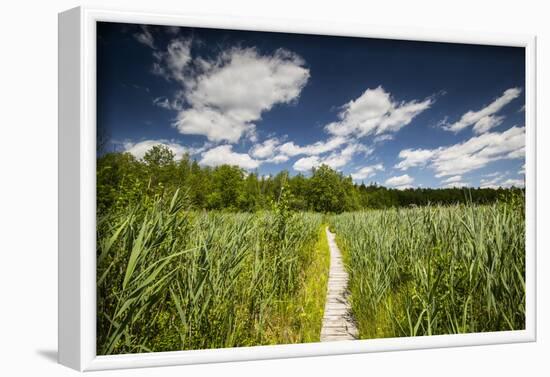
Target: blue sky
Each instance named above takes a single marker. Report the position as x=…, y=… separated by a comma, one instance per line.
x=399, y=113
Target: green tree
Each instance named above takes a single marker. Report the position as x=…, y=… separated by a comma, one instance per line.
x=325, y=193
x=119, y=180
x=227, y=188
x=199, y=184
x=159, y=156
x=251, y=199
x=161, y=169
x=299, y=187
x=122, y=179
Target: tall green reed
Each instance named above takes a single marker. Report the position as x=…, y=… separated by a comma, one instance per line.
x=170, y=278
x=435, y=270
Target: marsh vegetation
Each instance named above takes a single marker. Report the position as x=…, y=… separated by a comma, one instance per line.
x=191, y=257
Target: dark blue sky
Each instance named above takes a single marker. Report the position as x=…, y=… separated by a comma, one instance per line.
x=400, y=113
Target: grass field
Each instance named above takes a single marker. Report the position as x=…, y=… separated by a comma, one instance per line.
x=172, y=279
x=435, y=270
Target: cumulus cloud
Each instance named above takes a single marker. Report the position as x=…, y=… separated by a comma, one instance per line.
x=341, y=152
x=320, y=147
x=280, y=158
x=375, y=112
x=306, y=163
x=367, y=171
x=213, y=124
x=414, y=157
x=225, y=95
x=469, y=155
x=335, y=160
x=139, y=149
x=400, y=181
x=342, y=157
x=224, y=155
x=484, y=119
x=242, y=80
x=266, y=149
x=145, y=37
x=478, y=151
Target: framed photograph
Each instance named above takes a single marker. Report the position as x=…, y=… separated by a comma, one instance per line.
x=236, y=189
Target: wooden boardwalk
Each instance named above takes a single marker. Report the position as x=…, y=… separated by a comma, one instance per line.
x=338, y=323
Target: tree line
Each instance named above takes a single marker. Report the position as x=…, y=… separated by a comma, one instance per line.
x=123, y=179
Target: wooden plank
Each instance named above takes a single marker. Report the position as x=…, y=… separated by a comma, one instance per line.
x=338, y=323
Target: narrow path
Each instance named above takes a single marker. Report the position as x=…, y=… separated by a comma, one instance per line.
x=337, y=321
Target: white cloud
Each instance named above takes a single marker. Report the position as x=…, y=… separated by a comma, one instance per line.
x=497, y=181
x=469, y=155
x=280, y=158
x=518, y=153
x=338, y=159
x=342, y=151
x=266, y=149
x=453, y=179
x=354, y=148
x=401, y=181
x=173, y=64
x=492, y=181
x=483, y=120
x=243, y=81
x=162, y=102
x=514, y=182
x=486, y=123
x=443, y=122
x=457, y=184
x=306, y=163
x=367, y=171
x=224, y=154
x=375, y=112
x=145, y=37
x=320, y=147
x=478, y=151
x=493, y=174
x=414, y=157
x=335, y=160
x=522, y=170
x=227, y=94
x=214, y=125
x=381, y=138
x=167, y=104
x=139, y=149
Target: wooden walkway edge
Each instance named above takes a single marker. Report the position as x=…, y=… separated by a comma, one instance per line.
x=338, y=323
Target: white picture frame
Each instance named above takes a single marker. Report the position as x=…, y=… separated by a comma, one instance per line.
x=77, y=152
